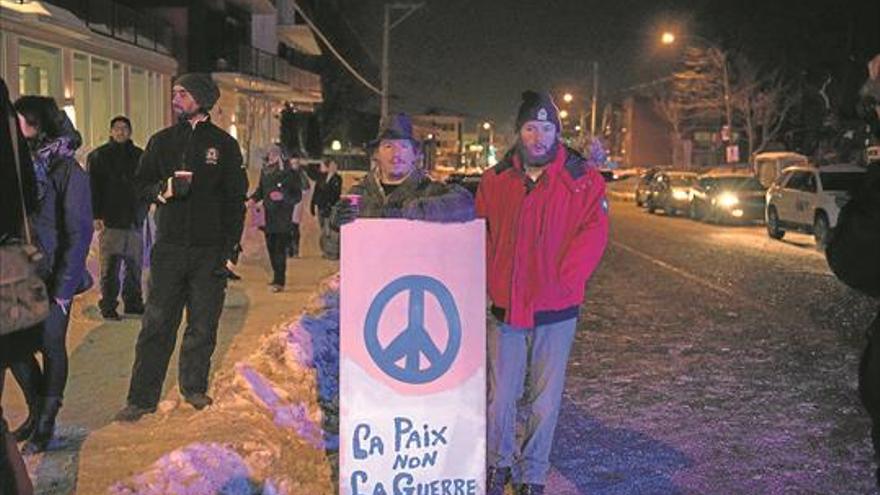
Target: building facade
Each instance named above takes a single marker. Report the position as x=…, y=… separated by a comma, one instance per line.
x=98, y=59
x=444, y=135
x=238, y=42
x=102, y=58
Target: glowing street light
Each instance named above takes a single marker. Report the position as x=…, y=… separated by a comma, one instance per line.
x=567, y=97
x=335, y=145
x=563, y=114
x=487, y=126
x=667, y=38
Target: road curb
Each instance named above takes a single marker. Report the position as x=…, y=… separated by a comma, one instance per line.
x=621, y=196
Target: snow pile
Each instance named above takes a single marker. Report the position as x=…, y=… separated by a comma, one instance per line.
x=194, y=470
x=276, y=413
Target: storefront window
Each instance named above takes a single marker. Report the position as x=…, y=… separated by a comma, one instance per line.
x=154, y=101
x=2, y=53
x=118, y=106
x=100, y=100
x=39, y=70
x=82, y=109
x=140, y=106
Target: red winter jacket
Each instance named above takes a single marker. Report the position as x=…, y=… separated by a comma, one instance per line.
x=543, y=244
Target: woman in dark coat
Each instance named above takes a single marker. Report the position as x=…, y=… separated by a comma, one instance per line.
x=23, y=343
x=328, y=188
x=279, y=190
x=63, y=226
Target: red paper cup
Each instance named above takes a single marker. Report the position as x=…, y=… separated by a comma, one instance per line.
x=183, y=174
x=353, y=199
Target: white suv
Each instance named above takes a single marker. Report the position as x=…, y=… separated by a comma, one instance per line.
x=808, y=199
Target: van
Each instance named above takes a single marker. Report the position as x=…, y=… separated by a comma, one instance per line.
x=769, y=165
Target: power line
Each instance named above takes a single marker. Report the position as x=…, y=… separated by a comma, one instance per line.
x=333, y=50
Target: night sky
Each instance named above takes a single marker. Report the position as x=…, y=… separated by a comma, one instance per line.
x=475, y=57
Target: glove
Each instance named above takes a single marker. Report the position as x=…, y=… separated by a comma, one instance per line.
x=344, y=212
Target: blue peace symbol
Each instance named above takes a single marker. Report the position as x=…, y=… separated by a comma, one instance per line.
x=414, y=340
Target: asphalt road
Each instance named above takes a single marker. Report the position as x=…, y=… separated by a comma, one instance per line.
x=712, y=359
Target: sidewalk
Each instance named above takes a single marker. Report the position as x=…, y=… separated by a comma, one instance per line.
x=92, y=453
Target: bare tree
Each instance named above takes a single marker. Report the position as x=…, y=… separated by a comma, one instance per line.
x=762, y=99
x=668, y=106
x=694, y=97
x=698, y=84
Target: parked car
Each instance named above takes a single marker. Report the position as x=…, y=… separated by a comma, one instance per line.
x=468, y=181
x=643, y=184
x=727, y=198
x=809, y=199
x=670, y=191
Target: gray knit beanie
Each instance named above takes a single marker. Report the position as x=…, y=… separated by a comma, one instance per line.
x=202, y=88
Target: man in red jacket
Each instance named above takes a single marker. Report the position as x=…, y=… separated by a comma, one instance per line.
x=547, y=220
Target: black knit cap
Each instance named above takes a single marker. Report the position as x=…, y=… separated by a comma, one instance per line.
x=537, y=106
x=202, y=88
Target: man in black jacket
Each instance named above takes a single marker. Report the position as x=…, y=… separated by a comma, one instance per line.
x=119, y=214
x=193, y=171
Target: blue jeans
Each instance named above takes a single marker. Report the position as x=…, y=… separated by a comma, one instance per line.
x=526, y=365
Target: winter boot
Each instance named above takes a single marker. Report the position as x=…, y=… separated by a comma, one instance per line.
x=28, y=377
x=45, y=426
x=496, y=478
x=26, y=429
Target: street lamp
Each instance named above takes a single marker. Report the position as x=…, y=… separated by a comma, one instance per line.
x=487, y=126
x=720, y=58
x=567, y=97
x=563, y=114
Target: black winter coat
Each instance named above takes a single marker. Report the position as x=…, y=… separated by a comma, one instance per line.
x=213, y=213
x=853, y=249
x=278, y=212
x=326, y=194
x=115, y=199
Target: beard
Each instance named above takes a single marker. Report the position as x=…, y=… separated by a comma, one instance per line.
x=540, y=160
x=396, y=172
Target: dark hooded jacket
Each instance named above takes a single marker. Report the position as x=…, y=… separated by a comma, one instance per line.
x=327, y=191
x=115, y=199
x=63, y=220
x=278, y=212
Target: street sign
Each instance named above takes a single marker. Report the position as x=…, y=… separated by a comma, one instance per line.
x=412, y=358
x=732, y=153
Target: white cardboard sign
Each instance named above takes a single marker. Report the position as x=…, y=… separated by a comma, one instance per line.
x=412, y=358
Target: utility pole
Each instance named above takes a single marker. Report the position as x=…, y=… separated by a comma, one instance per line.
x=594, y=104
x=386, y=38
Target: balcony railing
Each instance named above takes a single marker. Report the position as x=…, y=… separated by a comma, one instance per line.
x=258, y=63
x=120, y=22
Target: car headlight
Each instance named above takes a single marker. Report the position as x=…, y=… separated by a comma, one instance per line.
x=679, y=194
x=726, y=200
